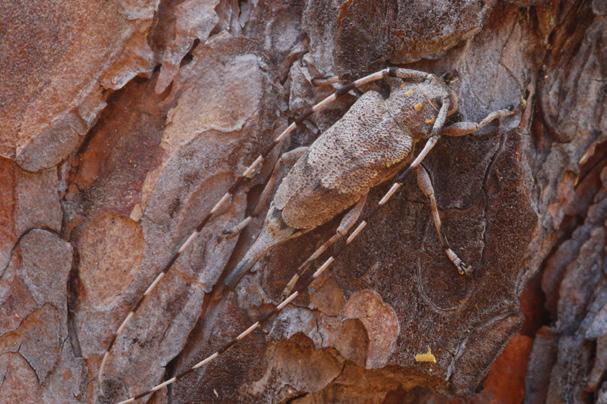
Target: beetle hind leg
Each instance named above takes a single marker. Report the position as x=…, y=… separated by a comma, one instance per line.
x=425, y=185
x=345, y=225
x=282, y=166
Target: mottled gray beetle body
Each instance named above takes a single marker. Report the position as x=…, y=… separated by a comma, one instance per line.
x=369, y=145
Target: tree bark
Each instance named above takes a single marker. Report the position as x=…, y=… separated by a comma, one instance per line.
x=123, y=122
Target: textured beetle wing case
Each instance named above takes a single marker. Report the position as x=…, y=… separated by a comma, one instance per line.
x=363, y=149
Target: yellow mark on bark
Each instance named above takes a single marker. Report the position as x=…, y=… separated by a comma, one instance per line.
x=426, y=357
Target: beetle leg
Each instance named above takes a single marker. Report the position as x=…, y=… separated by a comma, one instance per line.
x=284, y=163
x=425, y=185
x=335, y=82
x=274, y=231
x=282, y=166
x=468, y=128
x=351, y=217
x=409, y=74
x=235, y=230
x=430, y=143
x=325, y=81
x=401, y=73
x=345, y=225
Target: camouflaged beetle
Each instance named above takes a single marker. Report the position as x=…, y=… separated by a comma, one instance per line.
x=371, y=144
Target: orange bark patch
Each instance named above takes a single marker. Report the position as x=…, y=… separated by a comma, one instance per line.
x=111, y=247
x=380, y=321
x=7, y=209
x=505, y=383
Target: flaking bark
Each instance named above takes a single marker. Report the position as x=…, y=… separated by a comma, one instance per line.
x=122, y=123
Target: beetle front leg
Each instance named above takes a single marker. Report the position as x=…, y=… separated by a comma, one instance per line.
x=467, y=128
x=425, y=185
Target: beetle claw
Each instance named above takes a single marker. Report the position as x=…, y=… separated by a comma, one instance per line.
x=464, y=269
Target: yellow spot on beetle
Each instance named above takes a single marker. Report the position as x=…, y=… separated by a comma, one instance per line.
x=430, y=121
x=419, y=106
x=409, y=93
x=426, y=357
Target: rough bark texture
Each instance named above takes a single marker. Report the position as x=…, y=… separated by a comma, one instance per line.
x=123, y=122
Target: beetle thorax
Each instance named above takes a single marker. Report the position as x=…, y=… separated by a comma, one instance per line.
x=415, y=106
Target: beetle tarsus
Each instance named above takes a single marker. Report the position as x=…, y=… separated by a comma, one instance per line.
x=462, y=268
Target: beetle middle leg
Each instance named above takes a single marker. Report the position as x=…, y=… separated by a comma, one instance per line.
x=425, y=185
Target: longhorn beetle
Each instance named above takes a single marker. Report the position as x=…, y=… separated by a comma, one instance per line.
x=372, y=143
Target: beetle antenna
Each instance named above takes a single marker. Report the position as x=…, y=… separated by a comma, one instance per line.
x=301, y=285
x=247, y=174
